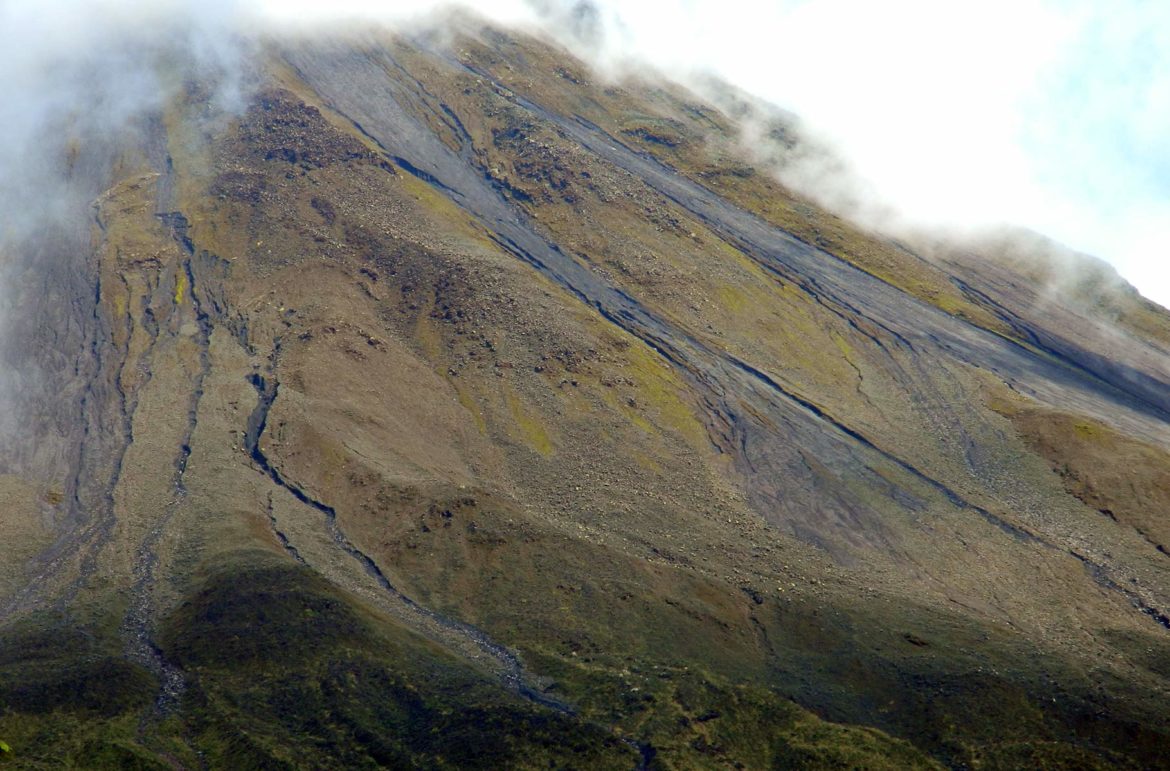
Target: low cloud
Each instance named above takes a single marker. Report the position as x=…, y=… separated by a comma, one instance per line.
x=77, y=79
x=75, y=70
x=1044, y=115
x=1047, y=115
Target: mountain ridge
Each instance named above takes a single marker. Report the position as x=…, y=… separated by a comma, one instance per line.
x=643, y=458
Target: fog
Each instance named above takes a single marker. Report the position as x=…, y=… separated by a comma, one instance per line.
x=74, y=71
x=1041, y=114
x=77, y=78
x=1045, y=115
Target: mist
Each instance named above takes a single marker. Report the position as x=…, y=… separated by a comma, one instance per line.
x=1044, y=115
x=79, y=81
x=969, y=116
x=965, y=116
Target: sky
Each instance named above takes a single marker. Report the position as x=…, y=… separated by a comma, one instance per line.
x=1048, y=115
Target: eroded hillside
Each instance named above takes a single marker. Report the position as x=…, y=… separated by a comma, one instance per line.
x=451, y=406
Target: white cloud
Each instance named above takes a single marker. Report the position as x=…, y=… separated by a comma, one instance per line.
x=1040, y=113
x=309, y=12
x=1048, y=115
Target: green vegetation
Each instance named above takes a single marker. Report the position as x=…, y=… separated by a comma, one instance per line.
x=283, y=672
x=561, y=450
x=287, y=671
x=69, y=697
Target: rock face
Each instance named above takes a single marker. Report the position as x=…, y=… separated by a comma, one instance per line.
x=447, y=408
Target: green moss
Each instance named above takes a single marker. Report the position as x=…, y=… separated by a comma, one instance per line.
x=695, y=719
x=1085, y=430
x=68, y=740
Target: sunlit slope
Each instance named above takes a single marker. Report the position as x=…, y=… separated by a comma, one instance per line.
x=454, y=406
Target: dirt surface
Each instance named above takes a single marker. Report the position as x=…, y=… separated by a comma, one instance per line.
x=447, y=385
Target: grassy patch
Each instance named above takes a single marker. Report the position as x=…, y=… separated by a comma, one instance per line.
x=69, y=698
x=290, y=672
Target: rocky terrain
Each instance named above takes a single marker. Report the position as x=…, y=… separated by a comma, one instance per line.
x=453, y=406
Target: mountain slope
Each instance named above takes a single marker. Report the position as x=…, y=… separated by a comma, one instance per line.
x=446, y=407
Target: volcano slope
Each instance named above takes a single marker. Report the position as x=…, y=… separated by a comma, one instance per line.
x=449, y=406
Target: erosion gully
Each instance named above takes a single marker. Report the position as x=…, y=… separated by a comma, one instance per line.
x=386, y=109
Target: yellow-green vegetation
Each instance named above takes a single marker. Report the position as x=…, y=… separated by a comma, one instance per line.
x=696, y=720
x=411, y=431
x=180, y=287
x=1119, y=476
x=291, y=671
x=659, y=388
x=871, y=252
x=531, y=427
x=70, y=699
